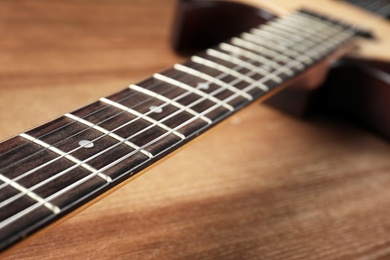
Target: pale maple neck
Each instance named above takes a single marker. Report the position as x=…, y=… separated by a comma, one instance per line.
x=51, y=170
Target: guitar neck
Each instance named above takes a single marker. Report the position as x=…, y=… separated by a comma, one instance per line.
x=58, y=167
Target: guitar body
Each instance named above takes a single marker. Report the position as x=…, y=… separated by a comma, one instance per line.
x=261, y=185
x=202, y=24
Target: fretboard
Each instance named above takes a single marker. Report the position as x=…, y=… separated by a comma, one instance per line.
x=52, y=170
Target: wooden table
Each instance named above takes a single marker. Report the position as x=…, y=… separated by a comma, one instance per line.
x=261, y=186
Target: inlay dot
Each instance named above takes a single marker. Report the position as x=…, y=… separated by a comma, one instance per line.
x=86, y=144
x=203, y=85
x=155, y=109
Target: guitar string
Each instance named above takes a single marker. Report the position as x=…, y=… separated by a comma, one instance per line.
x=48, y=133
x=63, y=126
x=45, y=135
x=58, y=193
x=87, y=128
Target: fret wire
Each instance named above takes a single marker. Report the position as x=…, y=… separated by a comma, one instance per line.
x=299, y=26
x=91, y=158
x=29, y=172
x=278, y=31
x=109, y=133
x=50, y=132
x=25, y=191
x=330, y=42
x=313, y=22
x=189, y=88
x=211, y=80
x=198, y=100
x=275, y=30
x=308, y=43
x=250, y=87
x=65, y=155
x=169, y=101
x=259, y=49
x=258, y=40
x=53, y=131
x=70, y=187
x=143, y=116
x=83, y=180
x=277, y=38
x=227, y=70
x=284, y=18
x=253, y=56
x=325, y=32
x=40, y=184
x=19, y=215
x=301, y=47
x=321, y=34
x=24, y=212
x=239, y=62
x=230, y=97
x=291, y=27
x=317, y=22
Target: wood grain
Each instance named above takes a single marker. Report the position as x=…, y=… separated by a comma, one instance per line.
x=261, y=186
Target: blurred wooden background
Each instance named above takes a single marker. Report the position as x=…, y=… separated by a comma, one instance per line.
x=261, y=186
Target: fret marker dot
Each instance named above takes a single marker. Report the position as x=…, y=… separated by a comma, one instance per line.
x=203, y=85
x=86, y=144
x=155, y=109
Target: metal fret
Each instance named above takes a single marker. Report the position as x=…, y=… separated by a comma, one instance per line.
x=261, y=49
x=188, y=87
x=24, y=191
x=312, y=21
x=302, y=46
x=241, y=62
x=258, y=40
x=258, y=48
x=170, y=101
x=109, y=133
x=255, y=57
x=322, y=35
x=140, y=115
x=67, y=156
x=298, y=39
x=212, y=80
x=48, y=170
x=227, y=70
x=277, y=39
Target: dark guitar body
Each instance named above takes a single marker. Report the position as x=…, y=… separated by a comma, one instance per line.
x=356, y=90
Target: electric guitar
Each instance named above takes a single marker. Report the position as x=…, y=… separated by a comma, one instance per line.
x=48, y=145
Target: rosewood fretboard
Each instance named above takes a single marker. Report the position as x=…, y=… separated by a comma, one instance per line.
x=51, y=170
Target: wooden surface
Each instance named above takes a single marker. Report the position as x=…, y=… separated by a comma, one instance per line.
x=261, y=186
